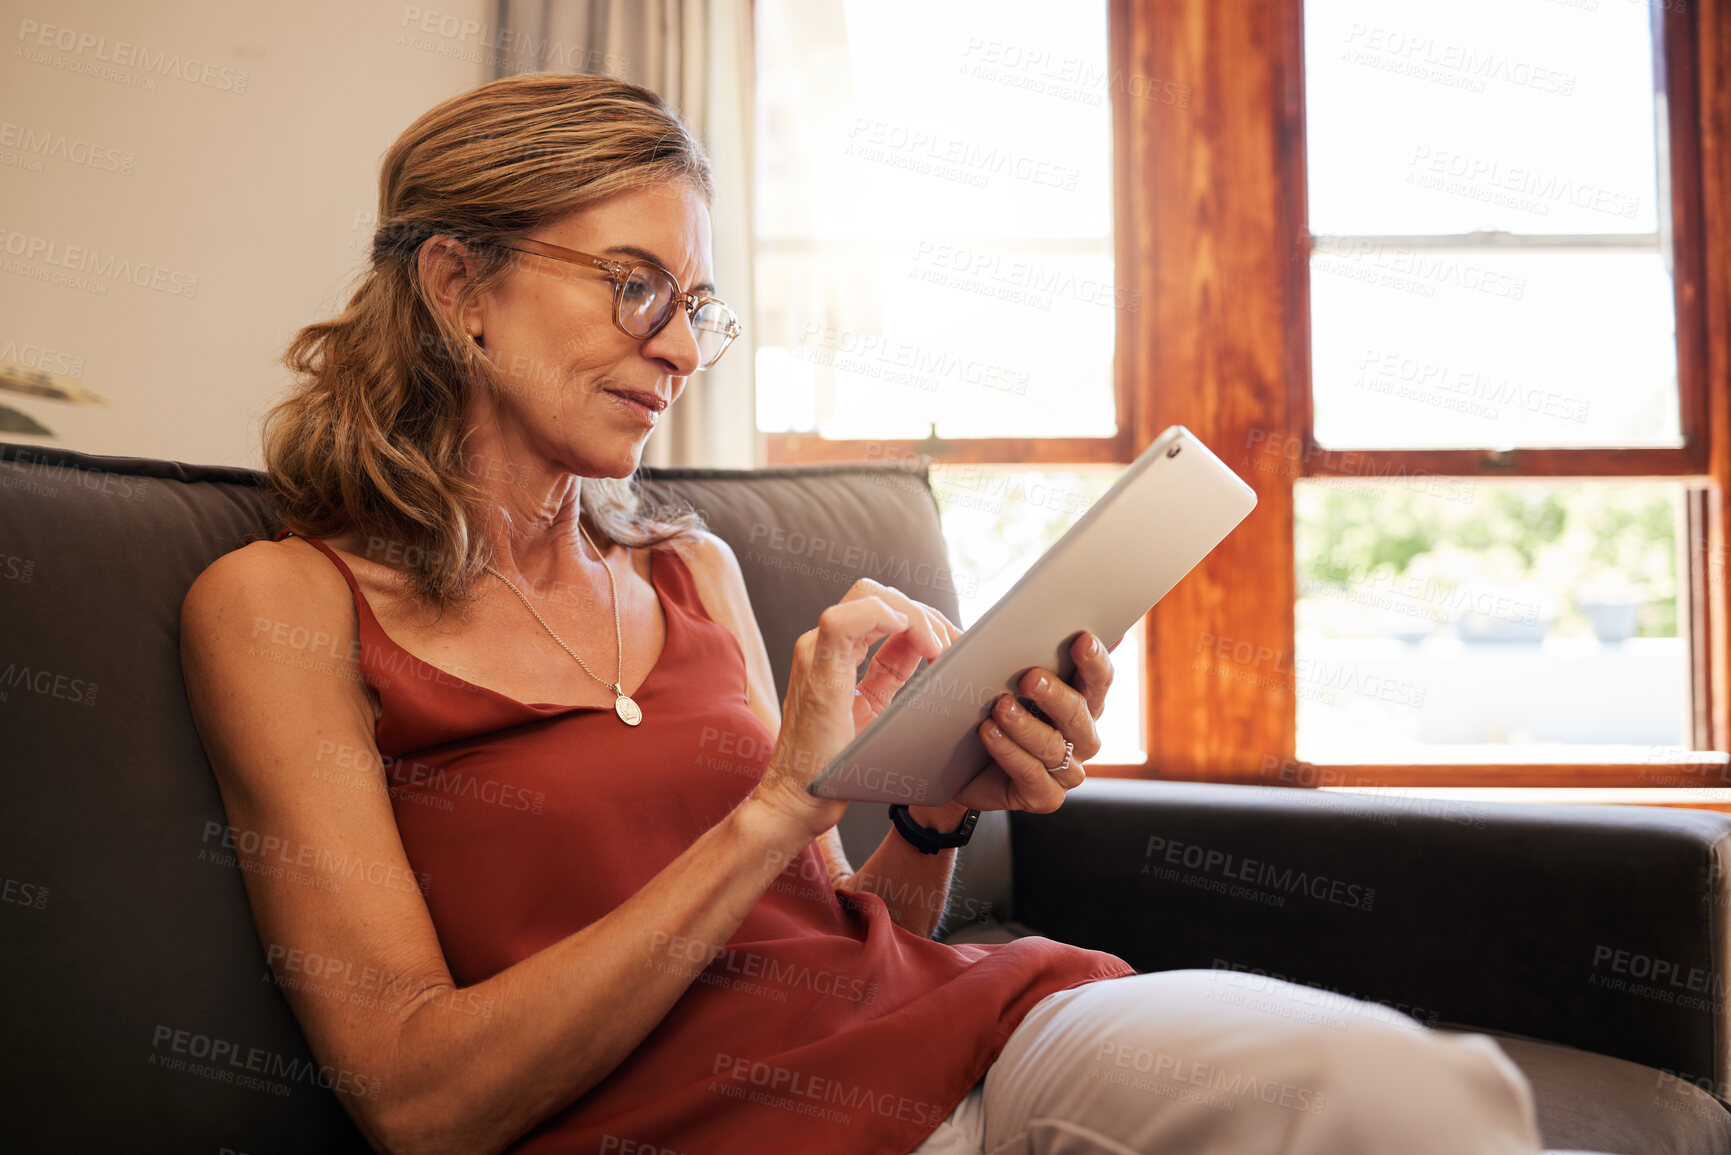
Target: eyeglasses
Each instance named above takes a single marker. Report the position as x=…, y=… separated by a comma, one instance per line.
x=646, y=297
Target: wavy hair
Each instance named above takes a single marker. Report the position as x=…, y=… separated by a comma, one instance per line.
x=371, y=437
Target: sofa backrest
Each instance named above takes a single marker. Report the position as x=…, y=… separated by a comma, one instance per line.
x=142, y=1014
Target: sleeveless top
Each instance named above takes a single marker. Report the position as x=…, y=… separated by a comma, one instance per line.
x=820, y=1026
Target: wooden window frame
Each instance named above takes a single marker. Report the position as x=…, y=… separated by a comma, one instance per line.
x=1222, y=345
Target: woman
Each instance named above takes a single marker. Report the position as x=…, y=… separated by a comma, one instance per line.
x=525, y=905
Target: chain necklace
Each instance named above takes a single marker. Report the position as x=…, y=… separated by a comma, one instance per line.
x=628, y=711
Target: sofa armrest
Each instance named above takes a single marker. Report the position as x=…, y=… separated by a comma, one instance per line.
x=1603, y=927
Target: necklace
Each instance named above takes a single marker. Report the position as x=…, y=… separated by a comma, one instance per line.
x=628, y=711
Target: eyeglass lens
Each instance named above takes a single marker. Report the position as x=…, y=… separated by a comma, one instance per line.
x=647, y=300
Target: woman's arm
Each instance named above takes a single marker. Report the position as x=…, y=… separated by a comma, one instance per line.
x=431, y=1067
x=915, y=887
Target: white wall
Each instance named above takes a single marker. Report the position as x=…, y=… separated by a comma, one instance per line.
x=251, y=180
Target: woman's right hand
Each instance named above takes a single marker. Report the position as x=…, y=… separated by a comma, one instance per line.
x=827, y=704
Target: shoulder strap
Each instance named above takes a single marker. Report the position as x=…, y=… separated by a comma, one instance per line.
x=361, y=604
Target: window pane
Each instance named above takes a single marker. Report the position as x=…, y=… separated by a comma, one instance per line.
x=998, y=520
x=1476, y=621
x=1429, y=122
x=934, y=219
x=1480, y=114
x=1435, y=350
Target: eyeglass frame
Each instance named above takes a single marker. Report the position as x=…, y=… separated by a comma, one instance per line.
x=619, y=272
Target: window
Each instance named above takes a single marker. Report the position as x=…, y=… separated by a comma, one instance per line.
x=1490, y=269
x=1433, y=278
x=1489, y=218
x=1489, y=621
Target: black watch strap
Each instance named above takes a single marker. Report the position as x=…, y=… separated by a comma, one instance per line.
x=924, y=838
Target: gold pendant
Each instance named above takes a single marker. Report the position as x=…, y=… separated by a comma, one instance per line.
x=628, y=711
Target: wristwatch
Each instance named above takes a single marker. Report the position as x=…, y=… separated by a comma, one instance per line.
x=924, y=838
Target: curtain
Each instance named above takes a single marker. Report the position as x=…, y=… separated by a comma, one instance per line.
x=697, y=54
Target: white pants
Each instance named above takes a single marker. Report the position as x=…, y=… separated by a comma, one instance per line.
x=1216, y=1062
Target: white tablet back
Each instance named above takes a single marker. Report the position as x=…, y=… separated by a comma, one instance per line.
x=1174, y=504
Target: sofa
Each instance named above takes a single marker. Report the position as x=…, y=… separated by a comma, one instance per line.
x=1591, y=940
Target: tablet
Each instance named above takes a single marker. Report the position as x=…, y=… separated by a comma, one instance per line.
x=1173, y=505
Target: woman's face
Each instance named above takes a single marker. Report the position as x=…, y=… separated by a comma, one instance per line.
x=576, y=390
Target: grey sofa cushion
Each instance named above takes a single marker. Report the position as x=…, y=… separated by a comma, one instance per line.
x=137, y=983
x=1597, y=1103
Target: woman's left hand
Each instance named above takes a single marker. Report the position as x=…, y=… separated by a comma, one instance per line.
x=1028, y=770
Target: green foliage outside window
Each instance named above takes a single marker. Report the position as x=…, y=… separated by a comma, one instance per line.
x=1568, y=549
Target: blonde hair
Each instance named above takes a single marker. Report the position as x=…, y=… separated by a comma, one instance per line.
x=371, y=437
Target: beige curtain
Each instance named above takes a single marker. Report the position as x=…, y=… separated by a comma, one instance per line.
x=698, y=55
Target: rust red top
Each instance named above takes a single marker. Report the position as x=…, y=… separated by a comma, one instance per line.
x=820, y=1025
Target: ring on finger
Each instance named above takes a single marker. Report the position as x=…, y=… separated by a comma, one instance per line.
x=1069, y=750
